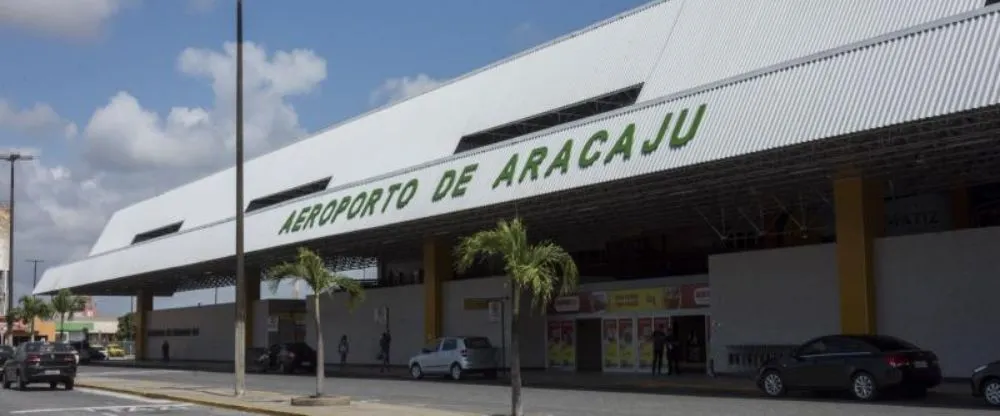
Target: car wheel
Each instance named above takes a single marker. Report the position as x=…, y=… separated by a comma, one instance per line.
x=773, y=385
x=3, y=376
x=416, y=372
x=68, y=384
x=21, y=383
x=456, y=372
x=991, y=391
x=863, y=386
x=52, y=386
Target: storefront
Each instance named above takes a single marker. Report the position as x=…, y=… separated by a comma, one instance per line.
x=611, y=330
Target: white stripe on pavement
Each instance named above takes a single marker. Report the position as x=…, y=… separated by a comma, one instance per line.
x=127, y=372
x=112, y=409
x=122, y=396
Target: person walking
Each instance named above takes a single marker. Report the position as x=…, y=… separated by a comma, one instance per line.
x=673, y=352
x=165, y=349
x=343, y=348
x=659, y=339
x=384, y=345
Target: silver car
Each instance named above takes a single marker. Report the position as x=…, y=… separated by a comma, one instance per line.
x=456, y=357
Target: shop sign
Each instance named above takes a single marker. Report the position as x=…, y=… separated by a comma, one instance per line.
x=606, y=147
x=567, y=304
x=703, y=296
x=636, y=300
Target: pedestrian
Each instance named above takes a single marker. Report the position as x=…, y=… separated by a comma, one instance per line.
x=384, y=343
x=659, y=342
x=165, y=349
x=343, y=348
x=673, y=352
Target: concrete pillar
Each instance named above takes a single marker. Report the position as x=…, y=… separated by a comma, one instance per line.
x=438, y=269
x=961, y=212
x=860, y=218
x=253, y=295
x=143, y=307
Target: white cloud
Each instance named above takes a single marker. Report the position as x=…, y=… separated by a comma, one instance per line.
x=201, y=6
x=75, y=18
x=398, y=89
x=39, y=120
x=132, y=152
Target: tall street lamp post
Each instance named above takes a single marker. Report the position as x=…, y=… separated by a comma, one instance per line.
x=12, y=158
x=241, y=283
x=34, y=280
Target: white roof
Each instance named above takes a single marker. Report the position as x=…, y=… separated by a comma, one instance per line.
x=766, y=76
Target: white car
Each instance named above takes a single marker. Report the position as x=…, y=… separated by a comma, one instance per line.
x=455, y=357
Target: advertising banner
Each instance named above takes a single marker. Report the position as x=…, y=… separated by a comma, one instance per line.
x=645, y=326
x=568, y=344
x=688, y=296
x=555, y=344
x=662, y=323
x=610, y=343
x=626, y=343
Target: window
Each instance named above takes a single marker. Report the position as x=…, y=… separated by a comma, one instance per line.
x=45, y=348
x=433, y=346
x=847, y=346
x=477, y=343
x=887, y=344
x=288, y=194
x=156, y=233
x=450, y=344
x=573, y=112
x=814, y=348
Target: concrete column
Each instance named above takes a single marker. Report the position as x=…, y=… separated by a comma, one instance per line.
x=253, y=295
x=143, y=307
x=961, y=212
x=438, y=269
x=860, y=218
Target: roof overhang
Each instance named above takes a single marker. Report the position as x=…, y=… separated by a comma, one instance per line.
x=783, y=129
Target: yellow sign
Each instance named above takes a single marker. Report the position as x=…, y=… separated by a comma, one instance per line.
x=636, y=300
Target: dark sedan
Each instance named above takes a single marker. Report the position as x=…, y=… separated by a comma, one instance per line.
x=986, y=383
x=6, y=351
x=864, y=365
x=40, y=362
x=287, y=358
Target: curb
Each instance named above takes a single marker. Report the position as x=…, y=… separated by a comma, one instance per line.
x=207, y=403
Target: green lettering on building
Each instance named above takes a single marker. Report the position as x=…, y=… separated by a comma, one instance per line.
x=539, y=163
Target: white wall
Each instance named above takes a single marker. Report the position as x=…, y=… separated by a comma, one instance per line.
x=406, y=322
x=782, y=296
x=215, y=331
x=459, y=322
x=940, y=292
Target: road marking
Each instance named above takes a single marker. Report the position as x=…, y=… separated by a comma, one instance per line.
x=122, y=396
x=126, y=372
x=108, y=409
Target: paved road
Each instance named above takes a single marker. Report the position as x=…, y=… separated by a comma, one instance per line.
x=489, y=399
x=44, y=402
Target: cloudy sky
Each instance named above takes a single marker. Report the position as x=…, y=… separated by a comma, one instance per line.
x=124, y=99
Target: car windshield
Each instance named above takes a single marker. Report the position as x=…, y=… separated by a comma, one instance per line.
x=885, y=343
x=477, y=343
x=6, y=349
x=45, y=348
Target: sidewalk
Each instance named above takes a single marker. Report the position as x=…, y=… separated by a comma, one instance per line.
x=693, y=384
x=260, y=402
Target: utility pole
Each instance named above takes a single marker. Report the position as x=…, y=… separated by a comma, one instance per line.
x=12, y=157
x=34, y=281
x=241, y=283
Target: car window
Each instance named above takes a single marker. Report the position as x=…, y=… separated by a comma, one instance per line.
x=433, y=346
x=477, y=343
x=888, y=344
x=842, y=345
x=813, y=348
x=450, y=344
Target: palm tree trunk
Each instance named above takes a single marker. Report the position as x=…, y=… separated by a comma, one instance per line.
x=320, y=363
x=31, y=327
x=62, y=327
x=517, y=408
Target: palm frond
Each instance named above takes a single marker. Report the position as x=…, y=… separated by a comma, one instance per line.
x=487, y=243
x=310, y=269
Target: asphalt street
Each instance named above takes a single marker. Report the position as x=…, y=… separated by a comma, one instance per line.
x=490, y=399
x=40, y=401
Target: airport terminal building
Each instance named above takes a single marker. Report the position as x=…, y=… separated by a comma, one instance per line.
x=751, y=173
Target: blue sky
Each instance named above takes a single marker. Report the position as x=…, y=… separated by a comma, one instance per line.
x=98, y=154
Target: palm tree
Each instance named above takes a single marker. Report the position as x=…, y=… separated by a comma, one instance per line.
x=65, y=304
x=540, y=270
x=31, y=308
x=310, y=269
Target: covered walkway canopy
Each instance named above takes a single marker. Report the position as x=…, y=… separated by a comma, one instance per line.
x=921, y=104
